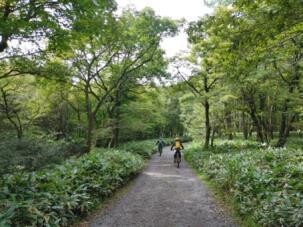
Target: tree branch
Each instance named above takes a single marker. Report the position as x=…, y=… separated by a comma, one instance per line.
x=193, y=88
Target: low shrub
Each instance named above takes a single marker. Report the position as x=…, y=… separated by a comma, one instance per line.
x=54, y=197
x=186, y=139
x=266, y=184
x=143, y=148
x=33, y=154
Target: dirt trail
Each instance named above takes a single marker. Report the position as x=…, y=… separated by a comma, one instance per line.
x=164, y=196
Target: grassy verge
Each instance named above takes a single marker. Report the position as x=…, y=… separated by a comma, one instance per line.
x=58, y=196
x=264, y=186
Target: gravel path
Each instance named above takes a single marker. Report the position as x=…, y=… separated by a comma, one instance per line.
x=164, y=196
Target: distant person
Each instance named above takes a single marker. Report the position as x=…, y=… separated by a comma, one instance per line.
x=177, y=146
x=160, y=144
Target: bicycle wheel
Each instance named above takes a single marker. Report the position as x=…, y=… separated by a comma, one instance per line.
x=178, y=160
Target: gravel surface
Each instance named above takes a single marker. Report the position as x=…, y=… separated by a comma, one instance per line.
x=164, y=196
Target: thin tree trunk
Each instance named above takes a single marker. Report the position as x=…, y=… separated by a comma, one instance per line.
x=270, y=123
x=114, y=114
x=16, y=124
x=213, y=136
x=207, y=124
x=79, y=128
x=19, y=127
x=244, y=126
x=262, y=118
x=283, y=126
x=6, y=10
x=286, y=119
x=249, y=99
x=228, y=123
x=113, y=142
x=115, y=136
x=90, y=117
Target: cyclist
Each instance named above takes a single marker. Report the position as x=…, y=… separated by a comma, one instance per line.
x=177, y=145
x=160, y=144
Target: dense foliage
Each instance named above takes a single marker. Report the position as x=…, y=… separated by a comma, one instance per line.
x=245, y=71
x=33, y=154
x=143, y=148
x=246, y=77
x=55, y=197
x=266, y=185
x=74, y=69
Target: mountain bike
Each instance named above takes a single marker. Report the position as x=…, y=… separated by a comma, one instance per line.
x=160, y=149
x=177, y=158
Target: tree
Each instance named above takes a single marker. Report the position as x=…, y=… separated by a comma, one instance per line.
x=10, y=108
x=32, y=21
x=108, y=63
x=140, y=57
x=246, y=40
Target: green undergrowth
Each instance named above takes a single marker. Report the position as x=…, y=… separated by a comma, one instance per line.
x=143, y=148
x=32, y=154
x=264, y=184
x=58, y=196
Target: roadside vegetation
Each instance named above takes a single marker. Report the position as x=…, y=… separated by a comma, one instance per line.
x=59, y=195
x=264, y=184
x=246, y=93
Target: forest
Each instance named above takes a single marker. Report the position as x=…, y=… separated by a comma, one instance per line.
x=86, y=90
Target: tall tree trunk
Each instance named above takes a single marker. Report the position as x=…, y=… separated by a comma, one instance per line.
x=228, y=120
x=114, y=114
x=286, y=119
x=213, y=136
x=250, y=131
x=270, y=124
x=90, y=119
x=244, y=126
x=258, y=126
x=19, y=127
x=6, y=11
x=249, y=99
x=114, y=140
x=262, y=117
x=283, y=126
x=79, y=128
x=11, y=113
x=115, y=135
x=207, y=124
